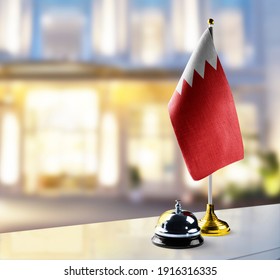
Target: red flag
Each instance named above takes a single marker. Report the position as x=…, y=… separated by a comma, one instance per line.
x=203, y=113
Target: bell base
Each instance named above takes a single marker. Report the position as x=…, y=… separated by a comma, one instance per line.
x=210, y=225
x=177, y=243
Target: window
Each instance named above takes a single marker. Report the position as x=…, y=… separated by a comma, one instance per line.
x=10, y=143
x=61, y=139
x=150, y=145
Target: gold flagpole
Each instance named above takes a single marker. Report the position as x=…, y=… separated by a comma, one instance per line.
x=210, y=225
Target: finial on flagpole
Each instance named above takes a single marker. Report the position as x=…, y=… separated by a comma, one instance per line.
x=211, y=21
x=211, y=24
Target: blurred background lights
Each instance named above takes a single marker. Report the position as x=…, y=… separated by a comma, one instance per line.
x=109, y=150
x=9, y=168
x=84, y=88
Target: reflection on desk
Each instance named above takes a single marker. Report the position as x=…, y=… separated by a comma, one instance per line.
x=255, y=234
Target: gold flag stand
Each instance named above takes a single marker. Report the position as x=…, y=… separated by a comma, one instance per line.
x=210, y=225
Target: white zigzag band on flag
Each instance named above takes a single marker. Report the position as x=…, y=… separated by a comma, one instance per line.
x=204, y=52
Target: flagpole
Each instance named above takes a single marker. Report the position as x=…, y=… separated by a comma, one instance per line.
x=210, y=201
x=210, y=224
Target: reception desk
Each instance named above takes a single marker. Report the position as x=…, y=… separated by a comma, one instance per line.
x=255, y=234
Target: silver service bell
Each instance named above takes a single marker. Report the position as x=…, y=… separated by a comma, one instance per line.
x=177, y=229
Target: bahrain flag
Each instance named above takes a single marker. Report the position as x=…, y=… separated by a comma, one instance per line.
x=203, y=113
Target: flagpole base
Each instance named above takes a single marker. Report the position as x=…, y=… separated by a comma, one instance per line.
x=210, y=225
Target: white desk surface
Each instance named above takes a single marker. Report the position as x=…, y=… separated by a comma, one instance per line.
x=255, y=234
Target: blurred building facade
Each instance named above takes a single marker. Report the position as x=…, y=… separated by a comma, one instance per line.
x=85, y=85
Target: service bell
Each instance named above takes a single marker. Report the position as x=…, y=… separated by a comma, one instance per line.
x=177, y=229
